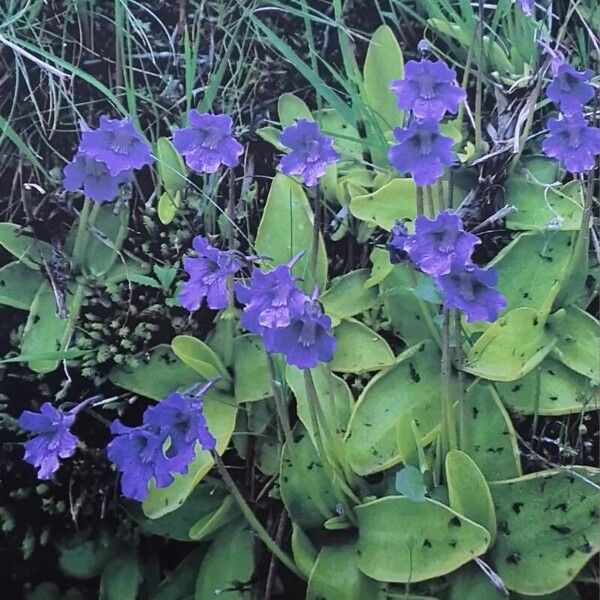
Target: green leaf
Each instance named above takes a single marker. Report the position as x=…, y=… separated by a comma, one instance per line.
x=305, y=488
x=492, y=51
x=85, y=560
x=220, y=411
x=251, y=380
x=168, y=205
x=405, y=541
x=303, y=551
x=384, y=63
x=380, y=434
x=201, y=503
x=181, y=582
x=382, y=267
x=529, y=267
x=402, y=307
x=411, y=483
x=335, y=576
x=347, y=295
x=550, y=389
x=334, y=396
x=345, y=136
x=19, y=285
x=45, y=330
x=359, y=348
x=160, y=373
x=541, y=207
x=286, y=229
x=395, y=200
x=171, y=168
x=271, y=135
x=172, y=173
x=227, y=566
x=120, y=578
x=199, y=356
x=578, y=342
x=207, y=526
x=105, y=238
x=490, y=439
x=547, y=528
x=290, y=108
x=470, y=583
x=28, y=250
x=511, y=347
x=468, y=491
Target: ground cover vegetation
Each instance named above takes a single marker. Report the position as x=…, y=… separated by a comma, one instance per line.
x=299, y=299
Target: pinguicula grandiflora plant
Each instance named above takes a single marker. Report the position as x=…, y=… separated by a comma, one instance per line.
x=368, y=367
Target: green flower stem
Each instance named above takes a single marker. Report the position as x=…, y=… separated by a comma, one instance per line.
x=430, y=205
x=448, y=432
x=326, y=444
x=439, y=196
x=283, y=416
x=426, y=312
x=256, y=525
x=465, y=79
x=314, y=244
x=419, y=200
x=82, y=233
x=479, y=82
x=462, y=408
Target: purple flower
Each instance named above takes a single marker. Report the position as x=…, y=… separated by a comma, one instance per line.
x=527, y=6
x=311, y=151
x=428, y=89
x=117, y=144
x=437, y=243
x=181, y=418
x=93, y=178
x=271, y=299
x=470, y=289
x=395, y=244
x=307, y=340
x=572, y=141
x=52, y=441
x=421, y=151
x=138, y=453
x=570, y=88
x=207, y=142
x=208, y=275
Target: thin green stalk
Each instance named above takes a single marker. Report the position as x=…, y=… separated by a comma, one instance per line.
x=327, y=447
x=449, y=437
x=430, y=205
x=82, y=233
x=419, y=200
x=425, y=308
x=465, y=79
x=287, y=429
x=479, y=84
x=462, y=428
x=256, y=525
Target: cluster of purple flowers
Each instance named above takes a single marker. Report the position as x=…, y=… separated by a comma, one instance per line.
x=289, y=321
x=442, y=249
x=429, y=91
x=163, y=445
x=311, y=152
x=571, y=139
x=107, y=156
